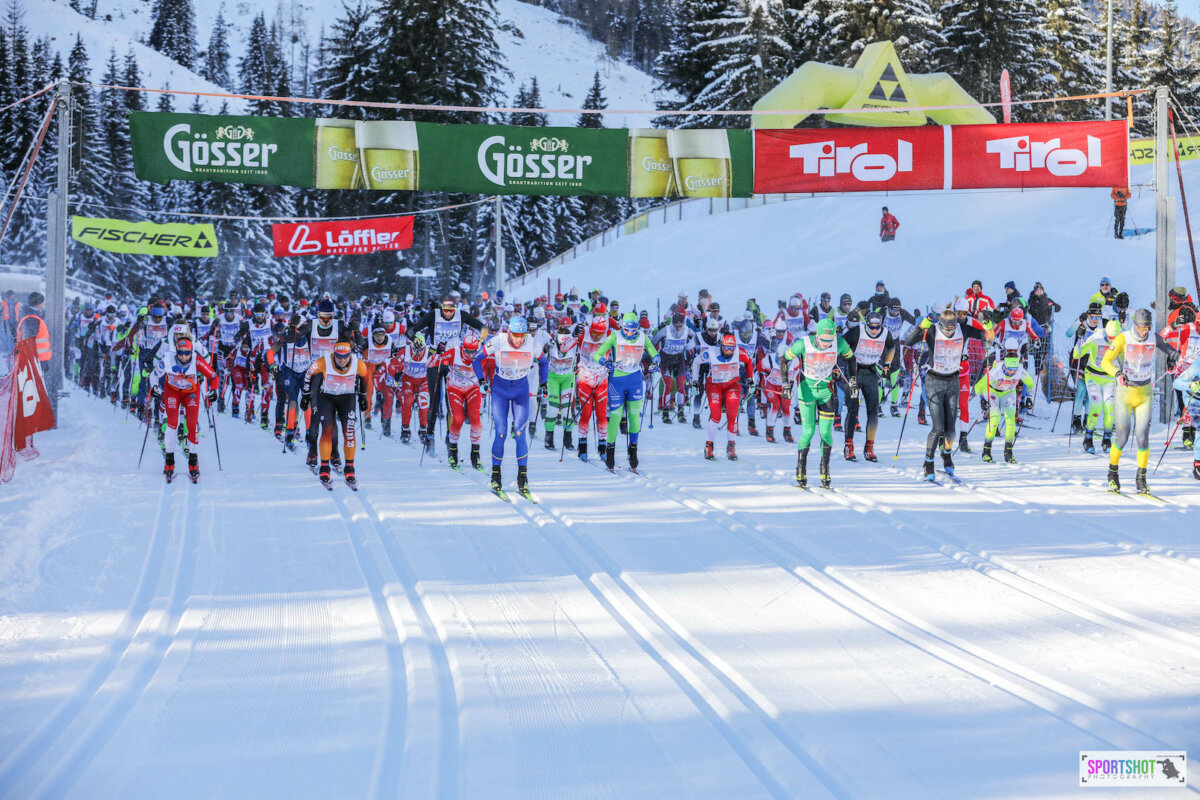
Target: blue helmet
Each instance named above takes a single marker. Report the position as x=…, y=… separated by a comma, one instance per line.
x=158, y=311
x=518, y=324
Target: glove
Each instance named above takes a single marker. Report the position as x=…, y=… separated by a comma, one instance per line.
x=852, y=386
x=1194, y=388
x=441, y=348
x=212, y=396
x=1027, y=403
x=156, y=392
x=543, y=392
x=1172, y=359
x=1083, y=317
x=786, y=390
x=984, y=405
x=610, y=366
x=143, y=312
x=273, y=369
x=304, y=402
x=362, y=402
x=926, y=322
x=655, y=364
x=1057, y=308
x=1121, y=300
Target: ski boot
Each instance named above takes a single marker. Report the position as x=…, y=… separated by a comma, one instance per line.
x=194, y=467
x=496, y=484
x=1114, y=482
x=1196, y=470
x=568, y=440
x=895, y=410
x=169, y=467
x=1076, y=424
x=279, y=431
x=631, y=453
x=452, y=455
x=523, y=480
x=787, y=435
x=681, y=417
x=405, y=435
x=429, y=448
x=753, y=426
x=602, y=449
x=987, y=453
x=921, y=417
x=731, y=452
x=387, y=427
x=475, y=456
x=583, y=449
x=826, y=478
x=366, y=421
x=289, y=440
x=1140, y=481
x=963, y=444
x=335, y=461
x=666, y=415
x=858, y=427
x=1189, y=436
x=162, y=437
x=610, y=457
x=323, y=474
x=1088, y=445
x=770, y=434
x=837, y=424
x=947, y=463
x=1009, y=458
x=696, y=421
x=708, y=451
x=869, y=451
x=348, y=475
x=550, y=440
x=929, y=469
x=1106, y=442
x=235, y=410
x=848, y=452
x=802, y=468
x=249, y=411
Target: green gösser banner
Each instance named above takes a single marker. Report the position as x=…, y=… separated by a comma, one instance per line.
x=146, y=238
x=393, y=155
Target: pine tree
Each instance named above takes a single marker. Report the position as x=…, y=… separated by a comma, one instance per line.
x=596, y=212
x=754, y=54
x=911, y=25
x=532, y=219
x=595, y=99
x=216, y=58
x=173, y=30
x=1169, y=62
x=1070, y=44
x=687, y=66
x=347, y=56
x=985, y=37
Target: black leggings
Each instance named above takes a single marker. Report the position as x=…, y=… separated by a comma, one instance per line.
x=942, y=393
x=868, y=385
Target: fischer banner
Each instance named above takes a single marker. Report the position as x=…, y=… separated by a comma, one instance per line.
x=342, y=237
x=1013, y=156
x=146, y=238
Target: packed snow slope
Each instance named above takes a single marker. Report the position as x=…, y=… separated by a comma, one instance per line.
x=701, y=630
x=535, y=43
x=1061, y=237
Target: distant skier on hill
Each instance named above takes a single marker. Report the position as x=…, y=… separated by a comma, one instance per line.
x=888, y=225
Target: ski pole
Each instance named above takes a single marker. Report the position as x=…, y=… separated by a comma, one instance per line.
x=212, y=423
x=1168, y=446
x=146, y=437
x=907, y=406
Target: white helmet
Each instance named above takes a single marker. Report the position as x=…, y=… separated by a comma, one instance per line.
x=961, y=304
x=780, y=326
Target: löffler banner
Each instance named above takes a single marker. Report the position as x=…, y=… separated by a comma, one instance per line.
x=1013, y=156
x=342, y=237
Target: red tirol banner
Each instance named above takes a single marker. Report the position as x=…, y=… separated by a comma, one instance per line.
x=848, y=159
x=1041, y=154
x=342, y=237
x=33, y=410
x=1013, y=156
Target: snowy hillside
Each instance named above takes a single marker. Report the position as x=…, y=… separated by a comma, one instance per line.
x=535, y=42
x=1060, y=237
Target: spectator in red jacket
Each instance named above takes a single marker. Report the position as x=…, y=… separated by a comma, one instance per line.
x=887, y=226
x=978, y=301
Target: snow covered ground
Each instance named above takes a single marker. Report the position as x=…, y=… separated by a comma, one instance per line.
x=704, y=629
x=1062, y=237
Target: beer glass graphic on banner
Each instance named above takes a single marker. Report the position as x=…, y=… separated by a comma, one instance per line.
x=388, y=154
x=335, y=157
x=650, y=170
x=702, y=162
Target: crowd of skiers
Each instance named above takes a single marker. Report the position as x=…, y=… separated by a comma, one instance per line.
x=314, y=369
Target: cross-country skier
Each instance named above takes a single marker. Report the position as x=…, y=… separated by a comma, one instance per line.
x=333, y=384
x=1099, y=385
x=1188, y=383
x=997, y=390
x=517, y=361
x=180, y=389
x=727, y=364
x=815, y=357
x=592, y=388
x=464, y=396
x=443, y=330
x=874, y=354
x=673, y=341
x=625, y=385
x=560, y=385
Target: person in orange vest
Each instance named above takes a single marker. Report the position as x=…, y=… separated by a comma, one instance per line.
x=1120, y=196
x=33, y=326
x=888, y=225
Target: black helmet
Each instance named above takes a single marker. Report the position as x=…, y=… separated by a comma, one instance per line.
x=259, y=308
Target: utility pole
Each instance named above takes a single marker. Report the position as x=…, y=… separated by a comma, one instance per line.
x=1164, y=234
x=499, y=215
x=56, y=250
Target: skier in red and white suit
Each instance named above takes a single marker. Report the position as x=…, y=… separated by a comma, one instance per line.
x=180, y=372
x=591, y=387
x=723, y=387
x=376, y=355
x=464, y=395
x=414, y=385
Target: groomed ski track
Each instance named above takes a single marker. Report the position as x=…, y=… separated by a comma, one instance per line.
x=700, y=629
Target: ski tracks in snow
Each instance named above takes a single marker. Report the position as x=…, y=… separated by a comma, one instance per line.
x=1066, y=703
x=71, y=737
